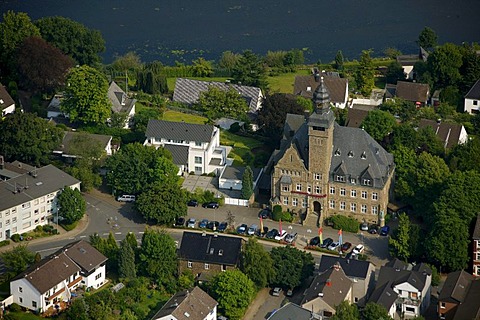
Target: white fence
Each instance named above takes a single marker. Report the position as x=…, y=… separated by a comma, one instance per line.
x=236, y=202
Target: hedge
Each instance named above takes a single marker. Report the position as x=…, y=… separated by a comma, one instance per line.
x=277, y=213
x=345, y=223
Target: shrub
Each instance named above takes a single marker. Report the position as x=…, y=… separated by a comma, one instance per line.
x=345, y=223
x=4, y=243
x=277, y=212
x=15, y=237
x=14, y=307
x=287, y=216
x=39, y=229
x=47, y=228
x=235, y=127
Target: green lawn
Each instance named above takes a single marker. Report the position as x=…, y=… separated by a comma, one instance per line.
x=242, y=147
x=176, y=116
x=23, y=316
x=283, y=83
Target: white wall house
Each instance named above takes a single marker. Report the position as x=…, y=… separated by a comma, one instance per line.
x=231, y=177
x=7, y=104
x=194, y=147
x=472, y=99
x=28, y=200
x=53, y=279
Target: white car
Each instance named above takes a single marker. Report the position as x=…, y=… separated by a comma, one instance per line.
x=281, y=235
x=126, y=198
x=290, y=238
x=333, y=246
x=358, y=249
x=253, y=228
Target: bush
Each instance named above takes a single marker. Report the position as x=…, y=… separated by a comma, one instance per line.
x=345, y=223
x=287, y=216
x=277, y=212
x=15, y=237
x=235, y=127
x=47, y=228
x=39, y=229
x=14, y=307
x=4, y=243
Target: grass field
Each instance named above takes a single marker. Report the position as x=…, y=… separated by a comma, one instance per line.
x=241, y=153
x=176, y=116
x=283, y=83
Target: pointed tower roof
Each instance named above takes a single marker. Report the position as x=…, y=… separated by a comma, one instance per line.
x=322, y=115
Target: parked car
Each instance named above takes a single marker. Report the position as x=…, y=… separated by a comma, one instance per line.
x=281, y=235
x=203, y=224
x=333, y=246
x=373, y=229
x=290, y=238
x=346, y=246
x=326, y=243
x=276, y=292
x=289, y=292
x=364, y=226
x=385, y=230
x=210, y=205
x=213, y=225
x=265, y=213
x=261, y=233
x=179, y=222
x=315, y=241
x=191, y=223
x=126, y=198
x=222, y=226
x=272, y=234
x=192, y=203
x=242, y=229
x=252, y=230
x=358, y=249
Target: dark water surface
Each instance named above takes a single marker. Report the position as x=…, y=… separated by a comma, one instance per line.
x=161, y=29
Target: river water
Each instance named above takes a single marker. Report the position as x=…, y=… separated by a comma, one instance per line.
x=169, y=30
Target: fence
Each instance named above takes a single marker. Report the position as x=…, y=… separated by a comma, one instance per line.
x=236, y=202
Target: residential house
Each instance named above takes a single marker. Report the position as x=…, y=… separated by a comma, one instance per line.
x=337, y=87
x=402, y=288
x=472, y=99
x=28, y=200
x=195, y=147
x=327, y=290
x=449, y=133
x=290, y=311
x=476, y=248
x=121, y=103
x=362, y=274
x=417, y=93
x=208, y=254
x=14, y=169
x=322, y=168
x=407, y=61
x=7, y=105
x=357, y=113
x=52, y=280
x=231, y=177
x=72, y=141
x=470, y=308
x=192, y=304
x=188, y=91
x=53, y=109
x=453, y=293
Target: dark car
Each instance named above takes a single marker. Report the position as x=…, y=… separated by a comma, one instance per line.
x=180, y=222
x=213, y=225
x=242, y=229
x=326, y=243
x=346, y=246
x=373, y=229
x=222, y=226
x=315, y=241
x=261, y=233
x=265, y=214
x=192, y=203
x=272, y=234
x=203, y=224
x=384, y=231
x=211, y=205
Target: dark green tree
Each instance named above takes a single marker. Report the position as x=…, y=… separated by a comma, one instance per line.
x=247, y=183
x=404, y=135
x=132, y=241
x=379, y=124
x=77, y=310
x=470, y=69
x=405, y=166
x=126, y=261
x=427, y=39
x=186, y=280
x=392, y=53
x=151, y=79
x=394, y=72
x=291, y=266
x=364, y=76
x=141, y=118
x=216, y=103
x=85, y=172
x=339, y=60
x=466, y=156
x=71, y=205
x=346, y=311
x=399, y=243
x=401, y=108
x=233, y=291
x=375, y=311
x=129, y=62
x=17, y=260
x=444, y=65
x=229, y=60
x=257, y=264
x=202, y=67
x=250, y=71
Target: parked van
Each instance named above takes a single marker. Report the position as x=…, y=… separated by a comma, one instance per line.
x=126, y=198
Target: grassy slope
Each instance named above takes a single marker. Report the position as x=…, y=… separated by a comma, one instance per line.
x=176, y=116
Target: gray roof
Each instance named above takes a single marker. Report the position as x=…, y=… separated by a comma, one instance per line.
x=70, y=137
x=14, y=169
x=337, y=87
x=236, y=173
x=412, y=91
x=474, y=92
x=85, y=255
x=179, y=153
x=384, y=295
x=397, y=276
x=456, y=286
x=352, y=268
x=188, y=91
x=48, y=179
x=291, y=311
x=6, y=99
x=179, y=131
x=118, y=98
x=470, y=308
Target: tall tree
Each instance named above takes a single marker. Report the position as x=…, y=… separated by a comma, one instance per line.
x=379, y=124
x=375, y=311
x=78, y=310
x=444, y=65
x=364, y=77
x=249, y=71
x=129, y=62
x=339, y=60
x=257, y=264
x=28, y=138
x=394, y=72
x=233, y=291
x=346, y=311
x=229, y=60
x=84, y=45
x=17, y=260
x=71, y=205
x=202, y=67
x=399, y=243
x=41, y=66
x=427, y=39
x=247, y=183
x=126, y=261
x=217, y=103
x=291, y=265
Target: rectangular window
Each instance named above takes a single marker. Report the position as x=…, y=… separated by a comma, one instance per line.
x=410, y=309
x=374, y=210
x=20, y=299
x=20, y=289
x=475, y=102
x=304, y=203
x=364, y=194
x=309, y=189
x=353, y=180
x=353, y=193
x=27, y=225
x=98, y=276
x=224, y=267
x=442, y=305
x=476, y=241
x=298, y=187
x=189, y=264
x=207, y=266
x=367, y=182
x=332, y=190
x=340, y=178
x=36, y=211
x=14, y=210
x=331, y=204
x=374, y=196
x=34, y=304
x=14, y=219
x=343, y=192
x=198, y=169
x=478, y=256
x=317, y=176
x=353, y=207
x=413, y=295
x=317, y=190
x=285, y=188
x=294, y=202
x=26, y=205
x=198, y=160
x=198, y=144
x=342, y=205
x=7, y=223
x=364, y=208
x=285, y=201
x=35, y=202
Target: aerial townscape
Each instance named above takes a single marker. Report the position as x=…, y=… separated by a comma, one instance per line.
x=252, y=186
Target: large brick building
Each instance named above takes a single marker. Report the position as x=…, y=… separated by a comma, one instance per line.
x=322, y=169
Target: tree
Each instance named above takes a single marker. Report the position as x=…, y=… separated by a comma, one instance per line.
x=466, y=156
x=375, y=311
x=247, y=183
x=71, y=205
x=78, y=310
x=162, y=203
x=202, y=67
x=229, y=60
x=84, y=45
x=233, y=291
x=85, y=171
x=126, y=261
x=17, y=260
x=428, y=141
x=364, y=77
x=394, y=72
x=28, y=138
x=401, y=108
x=405, y=166
x=399, y=243
x=257, y=264
x=427, y=39
x=41, y=66
x=141, y=118
x=392, y=53
x=291, y=266
x=132, y=241
x=158, y=258
x=339, y=60
x=86, y=96
x=379, y=124
x=128, y=62
x=470, y=69
x=249, y=71
x=186, y=279
x=444, y=65
x=346, y=311
x=216, y=103
x=404, y=135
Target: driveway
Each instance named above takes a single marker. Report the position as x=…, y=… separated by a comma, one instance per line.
x=192, y=182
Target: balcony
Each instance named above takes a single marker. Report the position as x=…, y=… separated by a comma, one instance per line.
x=409, y=301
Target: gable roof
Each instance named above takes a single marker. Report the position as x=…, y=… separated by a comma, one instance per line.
x=192, y=304
x=169, y=130
x=474, y=92
x=412, y=91
x=118, y=98
x=14, y=169
x=352, y=268
x=84, y=255
x=69, y=138
x=449, y=133
x=236, y=173
x=455, y=287
x=306, y=85
x=290, y=311
x=476, y=231
x=5, y=99
x=470, y=308
x=355, y=117
x=384, y=295
x=210, y=248
x=188, y=91
x=398, y=276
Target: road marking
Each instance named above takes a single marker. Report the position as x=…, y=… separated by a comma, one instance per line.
x=71, y=238
x=118, y=233
x=141, y=232
x=83, y=236
x=105, y=234
x=50, y=249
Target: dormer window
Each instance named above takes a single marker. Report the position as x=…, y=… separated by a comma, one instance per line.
x=337, y=152
x=309, y=89
x=340, y=178
x=367, y=182
x=350, y=154
x=363, y=156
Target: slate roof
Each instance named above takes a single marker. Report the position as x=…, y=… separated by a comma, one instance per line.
x=188, y=91
x=456, y=286
x=179, y=131
x=192, y=304
x=209, y=248
x=476, y=231
x=236, y=173
x=291, y=311
x=474, y=92
x=470, y=308
x=84, y=254
x=48, y=179
x=384, y=295
x=14, y=169
x=447, y=132
x=397, y=276
x=179, y=153
x=337, y=87
x=352, y=268
x=355, y=117
x=5, y=97
x=412, y=91
x=118, y=98
x=70, y=136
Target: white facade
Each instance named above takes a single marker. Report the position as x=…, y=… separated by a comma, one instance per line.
x=411, y=301
x=472, y=106
x=7, y=110
x=211, y=316
x=96, y=279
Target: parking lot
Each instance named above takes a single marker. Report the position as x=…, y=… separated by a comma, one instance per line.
x=192, y=182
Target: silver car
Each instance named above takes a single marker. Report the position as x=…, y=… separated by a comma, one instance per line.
x=253, y=228
x=191, y=223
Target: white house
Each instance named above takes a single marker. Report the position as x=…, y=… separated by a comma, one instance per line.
x=231, y=177
x=29, y=199
x=53, y=109
x=451, y=134
x=192, y=303
x=121, y=103
x=7, y=105
x=52, y=280
x=472, y=99
x=194, y=147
